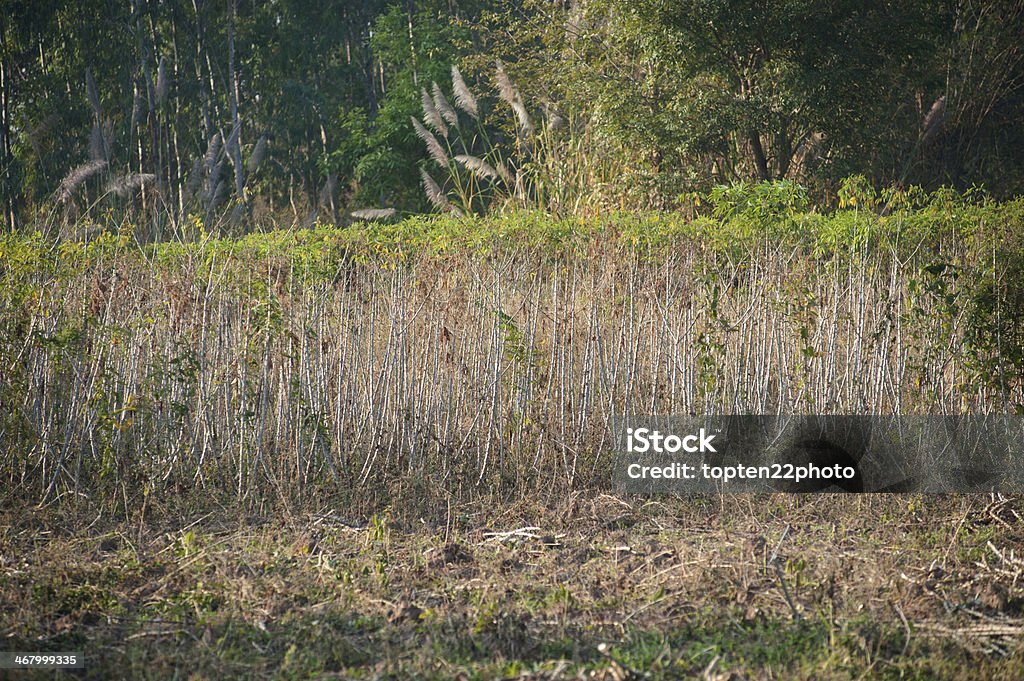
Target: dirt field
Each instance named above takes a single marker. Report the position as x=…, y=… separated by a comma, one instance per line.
x=589, y=587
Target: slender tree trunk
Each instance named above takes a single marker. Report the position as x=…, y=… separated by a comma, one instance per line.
x=151, y=154
x=204, y=95
x=783, y=153
x=236, y=133
x=7, y=158
x=5, y=148
x=369, y=64
x=179, y=171
x=212, y=111
x=410, y=8
x=760, y=161
x=165, y=173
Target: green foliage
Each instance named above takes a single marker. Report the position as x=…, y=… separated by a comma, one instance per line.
x=994, y=319
x=760, y=201
x=149, y=113
x=687, y=95
x=231, y=109
x=418, y=49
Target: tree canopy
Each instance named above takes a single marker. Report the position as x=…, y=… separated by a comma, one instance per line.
x=233, y=110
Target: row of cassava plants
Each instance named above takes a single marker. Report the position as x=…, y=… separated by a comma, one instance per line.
x=472, y=352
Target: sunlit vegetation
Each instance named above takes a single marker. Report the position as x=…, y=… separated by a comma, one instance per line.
x=314, y=316
x=491, y=351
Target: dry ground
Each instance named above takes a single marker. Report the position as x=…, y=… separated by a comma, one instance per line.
x=593, y=586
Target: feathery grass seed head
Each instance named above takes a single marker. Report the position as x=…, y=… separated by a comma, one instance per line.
x=525, y=124
x=76, y=177
x=434, y=147
x=511, y=96
x=212, y=151
x=161, y=83
x=371, y=214
x=505, y=88
x=443, y=107
x=92, y=92
x=478, y=166
x=463, y=95
x=128, y=184
x=431, y=116
x=433, y=192
x=256, y=157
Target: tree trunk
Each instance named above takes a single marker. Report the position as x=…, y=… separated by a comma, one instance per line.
x=236, y=133
x=409, y=11
x=783, y=153
x=179, y=171
x=6, y=157
x=760, y=162
x=369, y=65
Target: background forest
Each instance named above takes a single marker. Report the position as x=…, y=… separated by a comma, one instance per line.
x=243, y=113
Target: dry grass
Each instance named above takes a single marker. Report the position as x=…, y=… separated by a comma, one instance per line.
x=591, y=586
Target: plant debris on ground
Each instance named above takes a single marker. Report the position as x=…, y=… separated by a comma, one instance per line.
x=591, y=586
